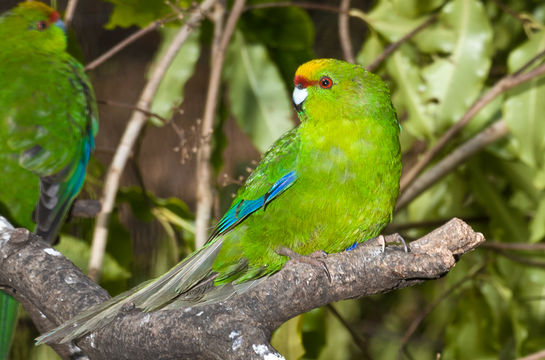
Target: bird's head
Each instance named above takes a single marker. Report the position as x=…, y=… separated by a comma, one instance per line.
x=334, y=89
x=34, y=25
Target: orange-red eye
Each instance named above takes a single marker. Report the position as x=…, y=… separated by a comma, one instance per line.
x=325, y=82
x=41, y=25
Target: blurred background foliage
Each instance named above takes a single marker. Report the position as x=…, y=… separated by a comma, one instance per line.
x=491, y=306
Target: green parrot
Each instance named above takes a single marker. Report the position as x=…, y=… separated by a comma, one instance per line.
x=329, y=183
x=48, y=120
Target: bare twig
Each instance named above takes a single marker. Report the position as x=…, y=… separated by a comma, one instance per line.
x=519, y=259
x=129, y=40
x=132, y=131
x=506, y=83
x=418, y=320
x=360, y=341
x=489, y=135
x=344, y=31
x=514, y=246
x=204, y=173
x=395, y=45
x=132, y=107
x=69, y=12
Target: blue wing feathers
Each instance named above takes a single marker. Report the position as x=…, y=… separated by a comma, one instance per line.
x=244, y=208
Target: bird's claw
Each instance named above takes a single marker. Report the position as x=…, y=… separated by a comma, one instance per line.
x=315, y=258
x=398, y=238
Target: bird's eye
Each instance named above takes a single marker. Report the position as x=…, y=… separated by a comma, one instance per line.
x=325, y=82
x=41, y=25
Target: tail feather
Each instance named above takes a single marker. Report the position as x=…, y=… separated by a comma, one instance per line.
x=57, y=192
x=155, y=294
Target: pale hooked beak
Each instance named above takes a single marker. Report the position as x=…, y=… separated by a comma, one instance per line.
x=299, y=95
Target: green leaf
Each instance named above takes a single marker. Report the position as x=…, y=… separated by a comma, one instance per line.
x=524, y=108
x=136, y=12
x=537, y=224
x=259, y=100
x=371, y=49
x=455, y=82
x=286, y=32
x=288, y=340
x=391, y=20
x=408, y=94
x=508, y=224
x=169, y=95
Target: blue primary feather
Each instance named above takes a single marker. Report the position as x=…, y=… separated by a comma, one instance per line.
x=243, y=208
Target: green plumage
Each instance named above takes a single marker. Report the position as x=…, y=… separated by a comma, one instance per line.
x=324, y=185
x=47, y=123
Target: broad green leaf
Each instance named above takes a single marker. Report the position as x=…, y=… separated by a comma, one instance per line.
x=408, y=94
x=537, y=224
x=257, y=95
x=169, y=95
x=524, y=108
x=413, y=8
x=455, y=82
x=390, y=20
x=286, y=32
x=371, y=49
x=288, y=340
x=136, y=12
x=78, y=251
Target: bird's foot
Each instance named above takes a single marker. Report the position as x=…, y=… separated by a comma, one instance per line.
x=397, y=239
x=315, y=259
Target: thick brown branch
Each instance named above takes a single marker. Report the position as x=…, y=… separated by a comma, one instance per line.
x=239, y=328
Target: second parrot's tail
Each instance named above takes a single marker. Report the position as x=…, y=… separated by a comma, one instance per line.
x=8, y=320
x=57, y=192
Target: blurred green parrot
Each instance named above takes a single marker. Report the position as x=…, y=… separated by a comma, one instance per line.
x=329, y=183
x=48, y=120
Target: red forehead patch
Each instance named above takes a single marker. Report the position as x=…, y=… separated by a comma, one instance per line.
x=54, y=16
x=301, y=81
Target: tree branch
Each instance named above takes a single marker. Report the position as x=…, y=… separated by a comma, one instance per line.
x=238, y=328
x=344, y=31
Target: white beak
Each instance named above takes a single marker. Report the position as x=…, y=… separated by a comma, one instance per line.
x=299, y=95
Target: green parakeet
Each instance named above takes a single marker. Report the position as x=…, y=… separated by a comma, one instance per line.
x=325, y=185
x=48, y=119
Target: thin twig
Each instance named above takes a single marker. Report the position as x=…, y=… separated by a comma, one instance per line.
x=132, y=131
x=489, y=135
x=506, y=9
x=132, y=107
x=418, y=320
x=344, y=31
x=360, y=341
x=520, y=259
x=204, y=173
x=69, y=12
x=129, y=40
x=540, y=355
x=506, y=83
x=514, y=246
x=395, y=45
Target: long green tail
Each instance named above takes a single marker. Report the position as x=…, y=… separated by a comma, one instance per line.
x=8, y=319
